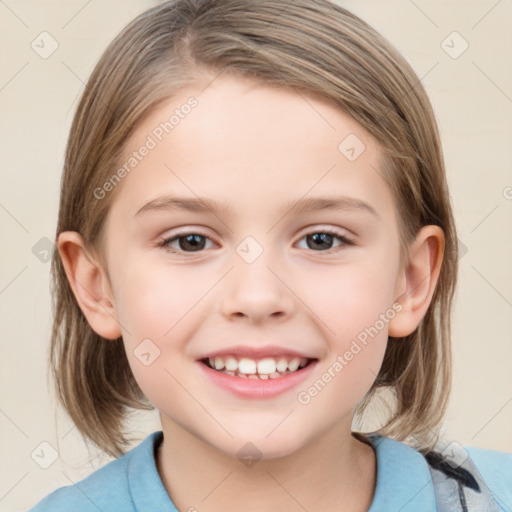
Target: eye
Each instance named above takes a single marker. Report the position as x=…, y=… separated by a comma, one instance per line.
x=319, y=241
x=323, y=240
x=185, y=242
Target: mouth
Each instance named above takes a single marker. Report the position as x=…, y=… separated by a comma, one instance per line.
x=261, y=369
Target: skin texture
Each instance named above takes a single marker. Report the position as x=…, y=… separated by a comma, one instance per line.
x=255, y=148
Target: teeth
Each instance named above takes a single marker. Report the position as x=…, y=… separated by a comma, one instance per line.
x=267, y=368
x=247, y=366
x=293, y=364
x=231, y=364
x=282, y=365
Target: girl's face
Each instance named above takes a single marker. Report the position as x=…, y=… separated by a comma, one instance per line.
x=284, y=242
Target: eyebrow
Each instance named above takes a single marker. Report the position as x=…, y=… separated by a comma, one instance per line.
x=303, y=205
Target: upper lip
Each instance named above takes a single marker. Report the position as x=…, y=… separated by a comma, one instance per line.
x=258, y=352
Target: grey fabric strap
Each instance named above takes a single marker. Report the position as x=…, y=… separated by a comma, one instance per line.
x=458, y=485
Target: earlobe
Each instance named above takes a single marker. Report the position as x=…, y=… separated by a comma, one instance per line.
x=418, y=281
x=89, y=284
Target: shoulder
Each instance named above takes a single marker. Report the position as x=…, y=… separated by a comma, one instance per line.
x=108, y=488
x=496, y=470
x=454, y=475
x=403, y=478
x=99, y=491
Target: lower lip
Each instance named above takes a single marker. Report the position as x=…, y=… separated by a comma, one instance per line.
x=258, y=388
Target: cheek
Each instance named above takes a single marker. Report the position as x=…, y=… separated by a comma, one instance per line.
x=155, y=306
x=355, y=308
x=159, y=309
x=354, y=303
x=348, y=298
x=153, y=299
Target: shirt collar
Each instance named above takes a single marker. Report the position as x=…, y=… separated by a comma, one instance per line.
x=146, y=487
x=404, y=483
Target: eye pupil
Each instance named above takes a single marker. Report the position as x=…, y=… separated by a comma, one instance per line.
x=320, y=238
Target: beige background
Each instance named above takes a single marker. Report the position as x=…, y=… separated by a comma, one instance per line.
x=472, y=97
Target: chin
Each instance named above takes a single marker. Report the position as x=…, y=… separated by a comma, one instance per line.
x=249, y=449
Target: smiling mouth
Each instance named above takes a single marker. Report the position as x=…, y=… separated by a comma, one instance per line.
x=266, y=368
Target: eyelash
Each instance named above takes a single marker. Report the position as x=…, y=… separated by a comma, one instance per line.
x=165, y=243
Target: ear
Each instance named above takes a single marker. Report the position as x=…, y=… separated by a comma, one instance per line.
x=417, y=282
x=90, y=285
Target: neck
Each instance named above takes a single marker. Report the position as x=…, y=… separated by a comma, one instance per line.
x=334, y=472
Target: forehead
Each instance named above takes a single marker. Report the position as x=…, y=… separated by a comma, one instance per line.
x=246, y=143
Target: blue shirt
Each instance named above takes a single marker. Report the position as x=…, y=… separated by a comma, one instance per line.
x=404, y=482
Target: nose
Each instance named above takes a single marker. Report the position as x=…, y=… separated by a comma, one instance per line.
x=257, y=292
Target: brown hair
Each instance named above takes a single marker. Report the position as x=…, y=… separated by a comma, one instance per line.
x=311, y=45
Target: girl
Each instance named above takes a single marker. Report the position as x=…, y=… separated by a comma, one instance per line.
x=255, y=237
